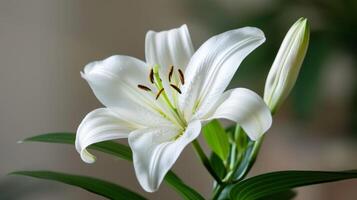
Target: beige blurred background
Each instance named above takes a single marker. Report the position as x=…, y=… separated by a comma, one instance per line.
x=44, y=44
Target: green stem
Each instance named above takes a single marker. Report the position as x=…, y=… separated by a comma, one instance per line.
x=217, y=191
x=245, y=168
x=252, y=158
x=234, y=158
x=205, y=161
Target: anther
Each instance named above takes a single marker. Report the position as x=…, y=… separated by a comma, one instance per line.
x=182, y=78
x=143, y=87
x=151, y=76
x=158, y=94
x=170, y=73
x=176, y=88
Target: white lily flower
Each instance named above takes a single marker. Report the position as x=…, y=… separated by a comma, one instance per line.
x=286, y=66
x=161, y=104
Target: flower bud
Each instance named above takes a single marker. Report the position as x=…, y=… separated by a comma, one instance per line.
x=287, y=63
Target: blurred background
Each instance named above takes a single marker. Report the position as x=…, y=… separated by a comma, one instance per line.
x=44, y=44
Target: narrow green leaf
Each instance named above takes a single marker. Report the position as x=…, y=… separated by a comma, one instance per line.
x=225, y=194
x=247, y=160
x=230, y=131
x=241, y=139
x=121, y=151
x=179, y=186
x=285, y=195
x=217, y=165
x=97, y=186
x=216, y=138
x=110, y=147
x=265, y=185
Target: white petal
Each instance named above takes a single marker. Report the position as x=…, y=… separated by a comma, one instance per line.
x=99, y=125
x=247, y=109
x=166, y=48
x=155, y=150
x=172, y=47
x=286, y=66
x=115, y=82
x=213, y=65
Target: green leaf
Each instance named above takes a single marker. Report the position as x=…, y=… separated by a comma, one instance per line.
x=265, y=185
x=230, y=129
x=97, y=186
x=113, y=148
x=285, y=195
x=121, y=151
x=241, y=139
x=248, y=158
x=216, y=138
x=225, y=194
x=217, y=165
x=179, y=186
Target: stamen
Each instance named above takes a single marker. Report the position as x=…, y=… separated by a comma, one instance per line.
x=143, y=87
x=176, y=88
x=170, y=73
x=182, y=78
x=158, y=94
x=151, y=76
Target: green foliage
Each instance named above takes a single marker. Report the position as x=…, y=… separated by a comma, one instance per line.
x=216, y=138
x=97, y=186
x=241, y=139
x=268, y=184
x=275, y=185
x=285, y=195
x=121, y=151
x=113, y=148
x=247, y=160
x=180, y=187
x=242, y=155
x=217, y=165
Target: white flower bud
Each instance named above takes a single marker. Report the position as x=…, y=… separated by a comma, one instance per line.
x=286, y=66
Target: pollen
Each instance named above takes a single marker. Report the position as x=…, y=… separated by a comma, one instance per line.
x=170, y=73
x=143, y=87
x=176, y=88
x=182, y=77
x=151, y=76
x=159, y=93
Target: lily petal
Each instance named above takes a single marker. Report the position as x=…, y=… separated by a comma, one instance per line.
x=98, y=126
x=166, y=48
x=115, y=81
x=213, y=65
x=246, y=108
x=172, y=47
x=155, y=150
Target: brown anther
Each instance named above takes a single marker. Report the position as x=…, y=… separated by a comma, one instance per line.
x=182, y=78
x=170, y=73
x=151, y=76
x=143, y=87
x=176, y=88
x=158, y=94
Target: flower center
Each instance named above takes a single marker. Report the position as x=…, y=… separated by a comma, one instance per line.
x=175, y=79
